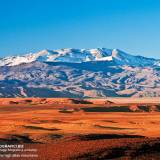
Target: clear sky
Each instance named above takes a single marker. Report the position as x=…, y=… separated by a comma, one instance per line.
x=32, y=25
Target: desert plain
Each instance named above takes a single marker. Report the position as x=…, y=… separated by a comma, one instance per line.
x=68, y=128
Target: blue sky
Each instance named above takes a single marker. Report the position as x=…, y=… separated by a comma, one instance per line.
x=32, y=25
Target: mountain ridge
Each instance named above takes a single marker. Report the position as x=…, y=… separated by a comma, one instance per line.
x=71, y=55
x=123, y=75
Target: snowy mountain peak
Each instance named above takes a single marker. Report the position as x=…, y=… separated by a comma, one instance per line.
x=71, y=55
x=114, y=52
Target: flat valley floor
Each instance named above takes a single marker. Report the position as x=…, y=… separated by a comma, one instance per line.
x=82, y=129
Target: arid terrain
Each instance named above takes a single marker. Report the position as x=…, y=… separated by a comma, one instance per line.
x=66, y=128
x=76, y=73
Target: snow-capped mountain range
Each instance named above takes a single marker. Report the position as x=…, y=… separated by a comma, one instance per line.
x=79, y=56
x=79, y=73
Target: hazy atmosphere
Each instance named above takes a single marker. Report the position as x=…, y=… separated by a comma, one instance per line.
x=30, y=26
